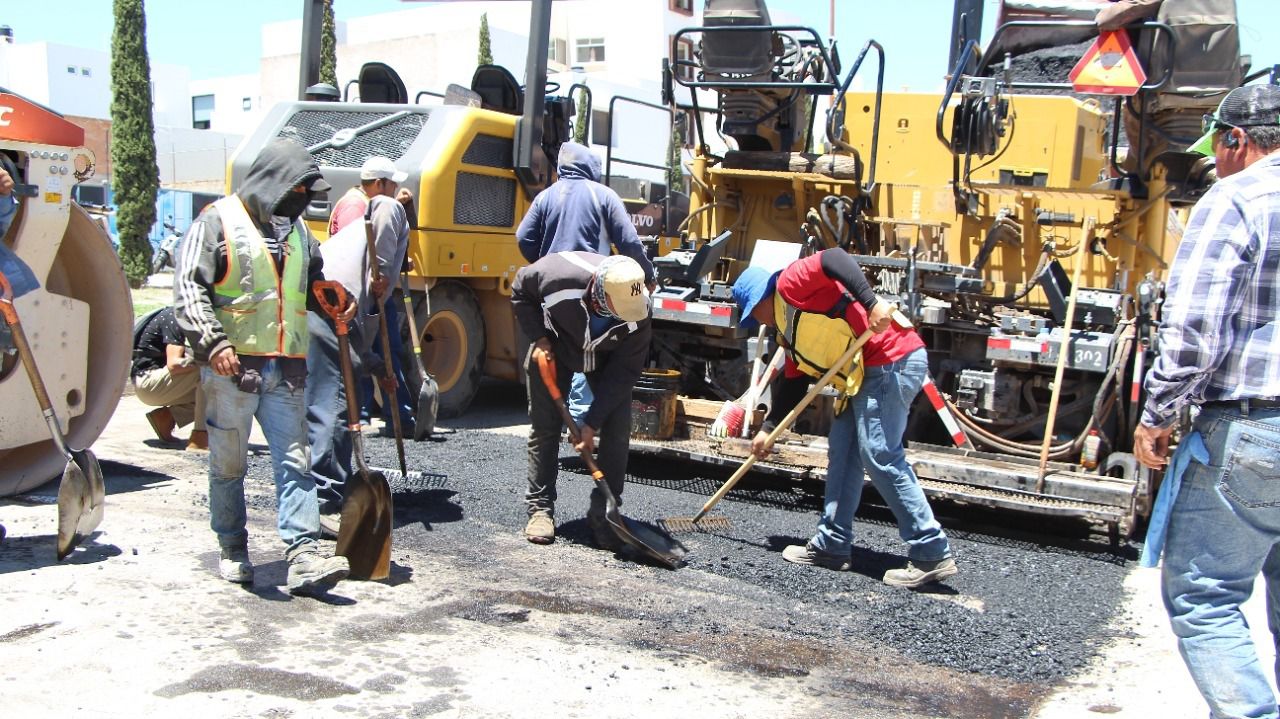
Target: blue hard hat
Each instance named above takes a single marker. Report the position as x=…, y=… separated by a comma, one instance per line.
x=753, y=285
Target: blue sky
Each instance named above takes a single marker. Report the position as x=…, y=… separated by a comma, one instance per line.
x=222, y=37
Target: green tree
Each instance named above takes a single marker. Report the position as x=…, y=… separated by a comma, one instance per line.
x=134, y=175
x=675, y=171
x=485, y=56
x=583, y=115
x=328, y=46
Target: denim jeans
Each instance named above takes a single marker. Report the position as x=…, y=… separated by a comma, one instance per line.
x=1225, y=528
x=406, y=402
x=579, y=397
x=613, y=442
x=280, y=413
x=326, y=401
x=868, y=436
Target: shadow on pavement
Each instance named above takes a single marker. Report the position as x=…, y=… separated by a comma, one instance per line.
x=22, y=554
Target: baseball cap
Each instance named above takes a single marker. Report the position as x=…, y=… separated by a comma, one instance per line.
x=621, y=280
x=753, y=285
x=1248, y=106
x=380, y=168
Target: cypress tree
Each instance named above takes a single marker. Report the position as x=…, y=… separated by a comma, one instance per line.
x=675, y=173
x=328, y=46
x=486, y=55
x=135, y=177
x=582, y=119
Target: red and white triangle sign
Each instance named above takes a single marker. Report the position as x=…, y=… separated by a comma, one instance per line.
x=1109, y=67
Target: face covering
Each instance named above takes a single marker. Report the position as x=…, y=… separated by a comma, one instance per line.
x=293, y=205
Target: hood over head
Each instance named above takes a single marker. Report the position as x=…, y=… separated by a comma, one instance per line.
x=578, y=162
x=278, y=168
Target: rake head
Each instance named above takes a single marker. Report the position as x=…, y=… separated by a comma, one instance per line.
x=693, y=524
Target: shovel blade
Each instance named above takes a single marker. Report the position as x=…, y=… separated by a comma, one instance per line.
x=649, y=540
x=424, y=422
x=364, y=535
x=81, y=500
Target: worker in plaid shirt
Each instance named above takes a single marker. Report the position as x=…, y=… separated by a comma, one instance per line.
x=1219, y=348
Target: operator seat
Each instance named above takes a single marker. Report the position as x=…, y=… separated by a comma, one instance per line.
x=379, y=83
x=498, y=89
x=742, y=56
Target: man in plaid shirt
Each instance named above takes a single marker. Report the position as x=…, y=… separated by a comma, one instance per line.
x=1219, y=348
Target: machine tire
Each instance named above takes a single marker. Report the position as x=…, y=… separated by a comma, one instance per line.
x=453, y=345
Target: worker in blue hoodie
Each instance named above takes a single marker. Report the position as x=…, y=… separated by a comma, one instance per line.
x=578, y=213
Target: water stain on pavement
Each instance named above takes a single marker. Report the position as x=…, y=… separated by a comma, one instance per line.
x=260, y=680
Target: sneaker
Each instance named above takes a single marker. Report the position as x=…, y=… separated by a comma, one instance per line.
x=603, y=535
x=162, y=422
x=918, y=573
x=541, y=528
x=311, y=575
x=199, y=441
x=330, y=523
x=234, y=565
x=808, y=554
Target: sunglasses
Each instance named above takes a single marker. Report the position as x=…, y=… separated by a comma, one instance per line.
x=1211, y=123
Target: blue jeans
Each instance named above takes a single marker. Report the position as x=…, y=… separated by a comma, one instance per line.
x=1223, y=530
x=282, y=416
x=868, y=436
x=326, y=402
x=406, y=403
x=580, y=397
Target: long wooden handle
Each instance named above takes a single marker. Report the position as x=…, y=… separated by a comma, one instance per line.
x=787, y=421
x=413, y=322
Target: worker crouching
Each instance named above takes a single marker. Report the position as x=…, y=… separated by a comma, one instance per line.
x=591, y=314
x=819, y=305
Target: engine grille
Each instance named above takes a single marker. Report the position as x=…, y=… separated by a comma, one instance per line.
x=489, y=151
x=311, y=127
x=484, y=200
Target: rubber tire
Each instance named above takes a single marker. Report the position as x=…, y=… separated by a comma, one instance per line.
x=453, y=346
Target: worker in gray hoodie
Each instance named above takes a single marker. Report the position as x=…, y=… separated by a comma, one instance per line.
x=241, y=289
x=579, y=214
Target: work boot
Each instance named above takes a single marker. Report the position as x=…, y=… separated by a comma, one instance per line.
x=199, y=441
x=603, y=535
x=311, y=574
x=541, y=528
x=811, y=555
x=162, y=422
x=234, y=565
x=330, y=523
x=919, y=573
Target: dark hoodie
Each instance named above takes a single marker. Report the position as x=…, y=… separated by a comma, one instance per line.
x=202, y=256
x=578, y=213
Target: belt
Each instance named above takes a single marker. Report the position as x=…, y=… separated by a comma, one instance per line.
x=1244, y=405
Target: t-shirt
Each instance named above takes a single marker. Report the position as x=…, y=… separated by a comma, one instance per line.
x=161, y=330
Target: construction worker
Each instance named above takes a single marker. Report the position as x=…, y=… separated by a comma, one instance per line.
x=165, y=377
x=242, y=285
x=379, y=177
x=590, y=313
x=346, y=260
x=818, y=306
x=1220, y=499
x=1204, y=68
x=578, y=213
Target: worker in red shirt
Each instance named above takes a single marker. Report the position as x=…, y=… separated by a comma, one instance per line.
x=818, y=306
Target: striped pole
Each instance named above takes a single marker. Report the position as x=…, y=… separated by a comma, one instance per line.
x=935, y=398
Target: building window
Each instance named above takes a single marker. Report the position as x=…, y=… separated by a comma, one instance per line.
x=558, y=51
x=84, y=71
x=201, y=111
x=684, y=51
x=590, y=49
x=684, y=7
x=246, y=104
x=600, y=127
x=71, y=69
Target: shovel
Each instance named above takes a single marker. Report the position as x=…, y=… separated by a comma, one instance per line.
x=649, y=541
x=388, y=368
x=364, y=535
x=82, y=493
x=424, y=422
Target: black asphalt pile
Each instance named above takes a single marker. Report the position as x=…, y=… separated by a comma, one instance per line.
x=1025, y=608
x=1050, y=64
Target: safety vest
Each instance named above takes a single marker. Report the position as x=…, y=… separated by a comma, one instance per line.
x=816, y=341
x=252, y=312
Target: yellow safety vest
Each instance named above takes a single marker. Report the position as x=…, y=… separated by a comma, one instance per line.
x=257, y=321
x=815, y=342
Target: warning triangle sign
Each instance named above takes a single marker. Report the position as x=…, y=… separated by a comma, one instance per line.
x=1109, y=67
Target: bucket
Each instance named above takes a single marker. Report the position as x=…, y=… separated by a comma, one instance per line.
x=653, y=404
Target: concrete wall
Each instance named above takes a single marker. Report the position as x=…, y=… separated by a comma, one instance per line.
x=194, y=160
x=230, y=94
